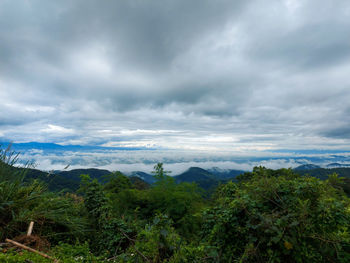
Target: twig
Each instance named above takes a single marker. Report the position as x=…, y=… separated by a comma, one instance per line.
x=30, y=249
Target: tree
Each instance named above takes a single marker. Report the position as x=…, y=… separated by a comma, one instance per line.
x=159, y=173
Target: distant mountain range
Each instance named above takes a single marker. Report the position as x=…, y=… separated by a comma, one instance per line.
x=204, y=178
x=223, y=174
x=306, y=167
x=70, y=180
x=337, y=165
x=207, y=179
x=148, y=178
x=313, y=166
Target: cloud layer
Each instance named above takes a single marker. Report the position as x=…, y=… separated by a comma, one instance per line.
x=188, y=75
x=175, y=161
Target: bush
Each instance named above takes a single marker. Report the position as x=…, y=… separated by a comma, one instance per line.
x=157, y=242
x=279, y=219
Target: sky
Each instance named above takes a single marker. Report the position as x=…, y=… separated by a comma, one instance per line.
x=207, y=77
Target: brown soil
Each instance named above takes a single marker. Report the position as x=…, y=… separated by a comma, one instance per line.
x=33, y=241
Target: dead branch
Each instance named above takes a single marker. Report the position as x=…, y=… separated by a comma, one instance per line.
x=30, y=249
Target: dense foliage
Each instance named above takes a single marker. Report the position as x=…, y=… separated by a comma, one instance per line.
x=280, y=217
x=265, y=216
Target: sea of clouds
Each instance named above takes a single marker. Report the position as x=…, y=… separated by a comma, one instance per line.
x=176, y=161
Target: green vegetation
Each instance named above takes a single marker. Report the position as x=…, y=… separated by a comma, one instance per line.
x=323, y=174
x=280, y=216
x=264, y=216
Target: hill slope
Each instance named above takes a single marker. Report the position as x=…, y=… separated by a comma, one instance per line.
x=207, y=179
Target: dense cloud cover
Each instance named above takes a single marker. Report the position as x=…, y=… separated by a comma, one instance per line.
x=188, y=75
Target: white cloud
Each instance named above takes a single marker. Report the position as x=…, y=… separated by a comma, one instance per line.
x=56, y=129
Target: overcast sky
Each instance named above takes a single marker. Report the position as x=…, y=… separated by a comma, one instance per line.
x=190, y=75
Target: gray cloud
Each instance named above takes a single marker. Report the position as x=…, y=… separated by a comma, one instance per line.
x=199, y=75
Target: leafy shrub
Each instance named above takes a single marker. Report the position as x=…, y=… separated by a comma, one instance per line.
x=157, y=242
x=279, y=219
x=113, y=237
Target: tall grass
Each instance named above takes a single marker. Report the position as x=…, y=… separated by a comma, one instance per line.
x=55, y=215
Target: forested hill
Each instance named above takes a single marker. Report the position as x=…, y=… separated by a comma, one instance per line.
x=323, y=173
x=70, y=180
x=206, y=179
x=65, y=180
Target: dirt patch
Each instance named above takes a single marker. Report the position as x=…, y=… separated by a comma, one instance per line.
x=33, y=241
